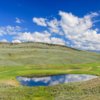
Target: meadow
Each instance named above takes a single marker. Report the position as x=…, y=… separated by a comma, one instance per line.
x=39, y=59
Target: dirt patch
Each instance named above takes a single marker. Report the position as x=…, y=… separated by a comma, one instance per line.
x=10, y=82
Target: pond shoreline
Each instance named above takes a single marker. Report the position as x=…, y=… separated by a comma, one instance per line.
x=47, y=75
x=54, y=79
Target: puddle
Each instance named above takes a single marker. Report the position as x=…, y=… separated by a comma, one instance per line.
x=54, y=80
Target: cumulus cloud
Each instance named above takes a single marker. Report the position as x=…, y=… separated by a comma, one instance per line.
x=53, y=26
x=55, y=40
x=26, y=36
x=74, y=25
x=69, y=29
x=40, y=21
x=4, y=40
x=10, y=30
x=34, y=37
x=77, y=31
x=44, y=37
x=16, y=41
x=80, y=31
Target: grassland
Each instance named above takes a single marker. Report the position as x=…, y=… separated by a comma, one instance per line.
x=46, y=59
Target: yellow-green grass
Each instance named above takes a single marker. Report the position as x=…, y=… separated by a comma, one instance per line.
x=38, y=59
x=89, y=90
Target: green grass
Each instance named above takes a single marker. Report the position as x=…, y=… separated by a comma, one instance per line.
x=89, y=90
x=38, y=59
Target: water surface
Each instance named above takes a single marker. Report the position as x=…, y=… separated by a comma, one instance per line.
x=54, y=80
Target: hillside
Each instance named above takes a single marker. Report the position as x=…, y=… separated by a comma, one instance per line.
x=28, y=54
x=38, y=59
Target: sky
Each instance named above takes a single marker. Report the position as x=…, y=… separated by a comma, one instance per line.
x=74, y=23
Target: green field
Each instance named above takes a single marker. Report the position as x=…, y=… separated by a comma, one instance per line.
x=37, y=59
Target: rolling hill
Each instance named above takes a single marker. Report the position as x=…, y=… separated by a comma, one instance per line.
x=26, y=54
x=46, y=59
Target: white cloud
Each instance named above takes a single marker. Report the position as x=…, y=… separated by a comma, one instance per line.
x=79, y=31
x=4, y=41
x=16, y=41
x=74, y=25
x=40, y=21
x=26, y=36
x=53, y=26
x=55, y=40
x=44, y=37
x=36, y=36
x=18, y=20
x=10, y=30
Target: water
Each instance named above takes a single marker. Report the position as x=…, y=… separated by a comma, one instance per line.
x=54, y=80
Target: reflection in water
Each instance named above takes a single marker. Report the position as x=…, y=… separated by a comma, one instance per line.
x=53, y=80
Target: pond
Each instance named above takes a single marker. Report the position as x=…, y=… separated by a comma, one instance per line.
x=54, y=79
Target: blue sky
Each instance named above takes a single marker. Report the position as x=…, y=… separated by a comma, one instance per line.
x=54, y=21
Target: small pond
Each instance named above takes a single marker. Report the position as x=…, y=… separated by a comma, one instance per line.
x=54, y=80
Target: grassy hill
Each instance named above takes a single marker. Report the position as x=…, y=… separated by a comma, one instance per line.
x=46, y=59
x=26, y=54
